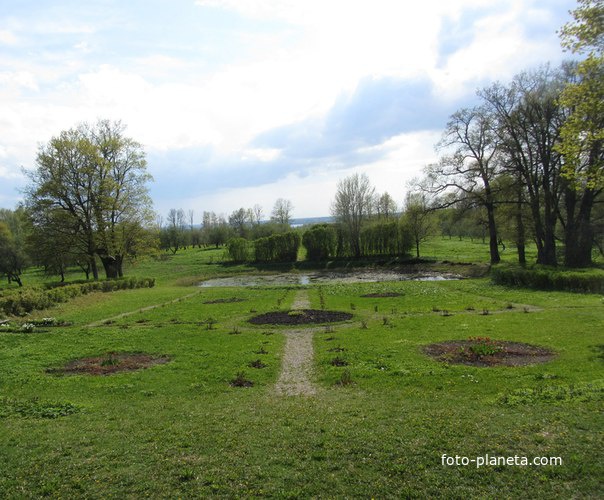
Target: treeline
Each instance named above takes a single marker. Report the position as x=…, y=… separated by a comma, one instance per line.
x=323, y=242
x=179, y=230
x=533, y=151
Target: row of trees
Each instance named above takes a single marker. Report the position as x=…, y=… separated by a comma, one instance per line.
x=527, y=161
x=369, y=224
x=178, y=230
x=534, y=148
x=279, y=247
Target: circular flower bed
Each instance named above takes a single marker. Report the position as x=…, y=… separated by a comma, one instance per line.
x=300, y=317
x=482, y=351
x=110, y=363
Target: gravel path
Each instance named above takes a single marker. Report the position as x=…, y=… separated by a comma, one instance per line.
x=301, y=300
x=100, y=322
x=297, y=367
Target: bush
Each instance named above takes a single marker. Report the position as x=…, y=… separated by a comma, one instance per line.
x=238, y=249
x=277, y=248
x=543, y=278
x=320, y=242
x=24, y=301
x=384, y=238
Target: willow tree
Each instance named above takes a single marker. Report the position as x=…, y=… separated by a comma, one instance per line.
x=97, y=177
x=353, y=204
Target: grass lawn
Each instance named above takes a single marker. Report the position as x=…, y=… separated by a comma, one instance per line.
x=180, y=429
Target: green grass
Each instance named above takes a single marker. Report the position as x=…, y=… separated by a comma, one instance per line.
x=181, y=430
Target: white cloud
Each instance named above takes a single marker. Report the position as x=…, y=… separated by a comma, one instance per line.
x=18, y=80
x=312, y=193
x=313, y=53
x=83, y=47
x=262, y=154
x=8, y=38
x=498, y=50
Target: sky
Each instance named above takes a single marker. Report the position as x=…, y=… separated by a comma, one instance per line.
x=241, y=102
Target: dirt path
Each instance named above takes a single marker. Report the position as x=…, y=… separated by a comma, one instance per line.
x=297, y=364
x=301, y=300
x=142, y=309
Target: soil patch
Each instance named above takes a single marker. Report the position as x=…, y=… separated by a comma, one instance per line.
x=381, y=295
x=489, y=353
x=110, y=363
x=300, y=317
x=230, y=300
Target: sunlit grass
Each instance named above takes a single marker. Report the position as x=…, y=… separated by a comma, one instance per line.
x=181, y=430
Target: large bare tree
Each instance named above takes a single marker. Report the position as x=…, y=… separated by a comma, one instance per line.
x=352, y=205
x=470, y=166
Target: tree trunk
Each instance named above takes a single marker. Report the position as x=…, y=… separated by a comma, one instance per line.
x=578, y=234
x=493, y=243
x=94, y=269
x=110, y=264
x=14, y=277
x=120, y=265
x=520, y=232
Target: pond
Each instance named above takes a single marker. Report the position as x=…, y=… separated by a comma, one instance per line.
x=324, y=277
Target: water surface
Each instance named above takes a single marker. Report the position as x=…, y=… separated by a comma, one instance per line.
x=324, y=277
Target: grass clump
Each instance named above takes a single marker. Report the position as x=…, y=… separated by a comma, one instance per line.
x=34, y=408
x=345, y=379
x=241, y=380
x=257, y=363
x=338, y=361
x=483, y=346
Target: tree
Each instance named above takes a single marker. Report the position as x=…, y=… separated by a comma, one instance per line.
x=352, y=206
x=53, y=245
x=98, y=177
x=472, y=166
x=238, y=220
x=586, y=32
x=12, y=256
x=417, y=218
x=320, y=242
x=529, y=118
x=256, y=214
x=219, y=234
x=282, y=211
x=385, y=206
x=173, y=236
x=582, y=134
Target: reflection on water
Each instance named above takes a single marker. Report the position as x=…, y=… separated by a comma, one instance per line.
x=325, y=277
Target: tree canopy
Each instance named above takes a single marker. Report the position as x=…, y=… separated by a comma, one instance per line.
x=96, y=178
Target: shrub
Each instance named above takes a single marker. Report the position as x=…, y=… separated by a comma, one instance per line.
x=484, y=346
x=320, y=242
x=238, y=249
x=544, y=278
x=277, y=247
x=384, y=238
x=21, y=302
